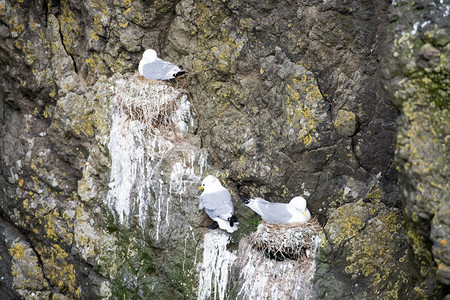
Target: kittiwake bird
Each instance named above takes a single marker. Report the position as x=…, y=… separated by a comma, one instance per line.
x=216, y=200
x=280, y=213
x=152, y=67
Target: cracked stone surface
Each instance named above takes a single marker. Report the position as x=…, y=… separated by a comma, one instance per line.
x=416, y=71
x=286, y=99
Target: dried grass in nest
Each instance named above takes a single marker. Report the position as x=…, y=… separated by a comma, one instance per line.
x=287, y=241
x=151, y=102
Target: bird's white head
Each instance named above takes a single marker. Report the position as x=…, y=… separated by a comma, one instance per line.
x=298, y=203
x=150, y=55
x=209, y=182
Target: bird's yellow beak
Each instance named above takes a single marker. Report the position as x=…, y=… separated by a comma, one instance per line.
x=201, y=188
x=304, y=213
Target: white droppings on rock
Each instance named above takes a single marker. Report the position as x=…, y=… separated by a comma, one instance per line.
x=347, y=190
x=263, y=277
x=183, y=117
x=446, y=11
x=215, y=268
x=415, y=27
x=151, y=165
x=425, y=24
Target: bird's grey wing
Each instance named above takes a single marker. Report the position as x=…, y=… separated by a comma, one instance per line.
x=274, y=212
x=217, y=199
x=218, y=203
x=157, y=69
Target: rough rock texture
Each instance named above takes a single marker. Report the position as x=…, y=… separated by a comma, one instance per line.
x=417, y=73
x=374, y=256
x=286, y=100
x=281, y=83
x=72, y=240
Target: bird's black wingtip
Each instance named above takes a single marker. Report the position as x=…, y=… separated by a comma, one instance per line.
x=244, y=199
x=233, y=220
x=179, y=73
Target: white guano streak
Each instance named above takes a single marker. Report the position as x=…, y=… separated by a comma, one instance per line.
x=215, y=268
x=137, y=179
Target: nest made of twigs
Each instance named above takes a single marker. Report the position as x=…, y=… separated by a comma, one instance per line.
x=295, y=241
x=151, y=102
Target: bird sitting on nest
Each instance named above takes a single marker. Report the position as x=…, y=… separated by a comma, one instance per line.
x=152, y=67
x=280, y=213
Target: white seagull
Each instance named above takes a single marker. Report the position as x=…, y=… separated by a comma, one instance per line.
x=280, y=213
x=216, y=200
x=152, y=67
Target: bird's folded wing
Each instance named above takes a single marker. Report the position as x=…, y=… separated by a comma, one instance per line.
x=273, y=212
x=220, y=200
x=157, y=69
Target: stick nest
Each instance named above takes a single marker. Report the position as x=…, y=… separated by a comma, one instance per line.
x=287, y=241
x=151, y=102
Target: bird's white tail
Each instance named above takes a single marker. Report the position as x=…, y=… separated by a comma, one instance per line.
x=225, y=225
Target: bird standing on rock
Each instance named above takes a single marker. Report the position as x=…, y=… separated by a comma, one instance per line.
x=216, y=200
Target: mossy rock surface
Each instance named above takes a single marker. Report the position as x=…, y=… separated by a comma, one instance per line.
x=417, y=75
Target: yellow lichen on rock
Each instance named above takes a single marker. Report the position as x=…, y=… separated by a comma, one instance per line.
x=57, y=269
x=25, y=268
x=302, y=102
x=345, y=122
x=348, y=220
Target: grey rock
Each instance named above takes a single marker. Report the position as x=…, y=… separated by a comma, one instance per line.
x=345, y=123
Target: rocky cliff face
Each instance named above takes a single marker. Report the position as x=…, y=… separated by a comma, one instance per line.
x=100, y=168
x=417, y=75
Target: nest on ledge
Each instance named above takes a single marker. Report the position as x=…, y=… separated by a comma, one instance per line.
x=154, y=103
x=287, y=241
